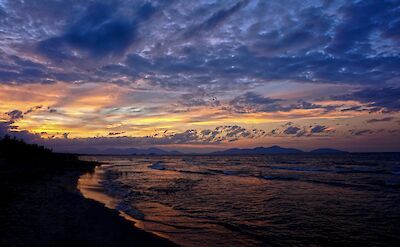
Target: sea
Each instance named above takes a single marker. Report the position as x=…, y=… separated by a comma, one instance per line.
x=265, y=200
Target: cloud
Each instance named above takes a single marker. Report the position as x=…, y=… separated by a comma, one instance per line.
x=318, y=129
x=360, y=19
x=251, y=102
x=364, y=132
x=116, y=133
x=361, y=132
x=15, y=115
x=32, y=109
x=291, y=130
x=309, y=30
x=220, y=134
x=199, y=98
x=350, y=42
x=376, y=120
x=6, y=128
x=214, y=20
x=99, y=32
x=386, y=99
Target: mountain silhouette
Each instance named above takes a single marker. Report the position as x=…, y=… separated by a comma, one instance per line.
x=233, y=151
x=259, y=150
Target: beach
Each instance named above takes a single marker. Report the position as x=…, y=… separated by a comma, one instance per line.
x=50, y=211
x=55, y=199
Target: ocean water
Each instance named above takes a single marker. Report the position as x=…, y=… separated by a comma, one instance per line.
x=272, y=200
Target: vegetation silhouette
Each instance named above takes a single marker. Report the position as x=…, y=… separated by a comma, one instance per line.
x=22, y=164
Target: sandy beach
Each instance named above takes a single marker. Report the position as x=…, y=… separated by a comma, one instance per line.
x=50, y=211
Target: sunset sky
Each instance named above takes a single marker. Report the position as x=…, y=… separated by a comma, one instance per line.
x=201, y=75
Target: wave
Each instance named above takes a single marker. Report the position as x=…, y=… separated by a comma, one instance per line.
x=392, y=182
x=301, y=169
x=330, y=183
x=127, y=208
x=396, y=172
x=195, y=172
x=343, y=169
x=160, y=166
x=226, y=172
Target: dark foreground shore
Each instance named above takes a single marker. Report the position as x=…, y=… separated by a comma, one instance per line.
x=42, y=207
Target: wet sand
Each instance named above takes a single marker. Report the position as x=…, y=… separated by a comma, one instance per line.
x=89, y=186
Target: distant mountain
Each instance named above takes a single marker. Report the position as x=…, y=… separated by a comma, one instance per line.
x=157, y=151
x=258, y=150
x=130, y=151
x=233, y=151
x=328, y=151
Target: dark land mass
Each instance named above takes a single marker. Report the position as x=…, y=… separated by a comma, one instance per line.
x=233, y=151
x=128, y=151
x=258, y=151
x=40, y=205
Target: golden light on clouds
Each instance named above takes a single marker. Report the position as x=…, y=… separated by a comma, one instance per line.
x=108, y=110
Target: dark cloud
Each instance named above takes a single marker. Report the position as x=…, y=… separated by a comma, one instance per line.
x=199, y=97
x=386, y=99
x=380, y=120
x=242, y=68
x=318, y=129
x=116, y=133
x=99, y=31
x=361, y=132
x=215, y=19
x=354, y=108
x=32, y=109
x=307, y=31
x=251, y=102
x=291, y=130
x=6, y=128
x=360, y=19
x=15, y=115
x=219, y=134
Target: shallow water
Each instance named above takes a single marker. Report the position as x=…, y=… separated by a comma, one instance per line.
x=276, y=200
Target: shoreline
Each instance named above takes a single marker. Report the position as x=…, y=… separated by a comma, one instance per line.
x=52, y=212
x=89, y=187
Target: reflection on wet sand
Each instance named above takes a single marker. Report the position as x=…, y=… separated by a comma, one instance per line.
x=90, y=187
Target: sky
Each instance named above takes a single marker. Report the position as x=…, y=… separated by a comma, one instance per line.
x=201, y=75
